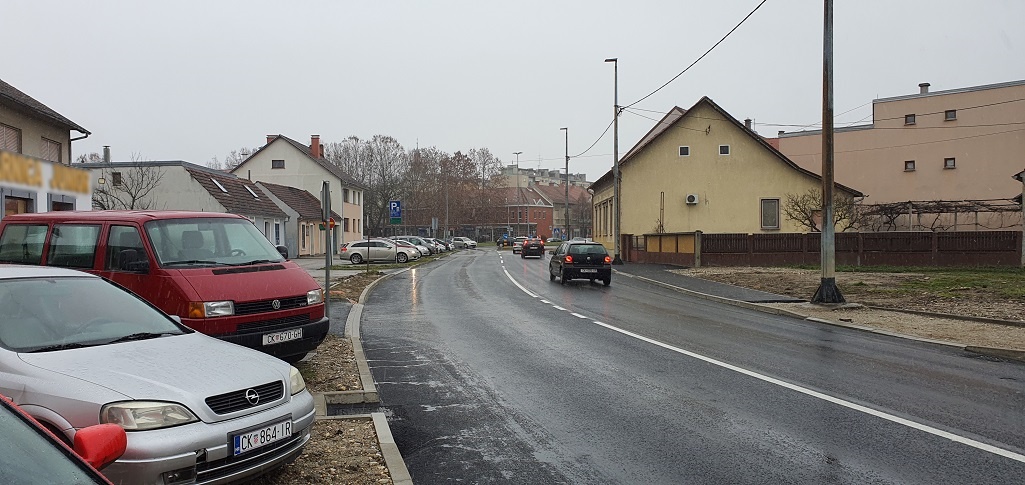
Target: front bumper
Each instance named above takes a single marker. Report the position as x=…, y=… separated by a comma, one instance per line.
x=203, y=451
x=313, y=335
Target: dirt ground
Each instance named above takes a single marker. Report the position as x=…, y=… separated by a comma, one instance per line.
x=341, y=451
x=876, y=289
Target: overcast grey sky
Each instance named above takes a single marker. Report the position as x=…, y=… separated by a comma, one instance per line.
x=191, y=80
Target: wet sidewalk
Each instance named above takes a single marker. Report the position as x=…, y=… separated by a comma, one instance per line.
x=661, y=274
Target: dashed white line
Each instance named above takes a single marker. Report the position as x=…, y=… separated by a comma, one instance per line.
x=578, y=315
x=803, y=390
x=557, y=307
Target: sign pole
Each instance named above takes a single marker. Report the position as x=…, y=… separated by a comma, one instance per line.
x=325, y=198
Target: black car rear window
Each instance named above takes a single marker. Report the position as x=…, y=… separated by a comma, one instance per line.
x=587, y=249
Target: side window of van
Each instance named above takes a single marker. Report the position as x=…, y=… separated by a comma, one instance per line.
x=121, y=241
x=73, y=245
x=22, y=243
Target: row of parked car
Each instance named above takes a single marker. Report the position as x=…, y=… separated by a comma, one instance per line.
x=153, y=356
x=400, y=249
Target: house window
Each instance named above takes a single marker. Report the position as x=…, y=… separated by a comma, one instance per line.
x=684, y=151
x=302, y=236
x=345, y=195
x=219, y=186
x=277, y=233
x=949, y=163
x=950, y=115
x=115, y=179
x=10, y=138
x=909, y=119
x=909, y=165
x=770, y=213
x=724, y=149
x=50, y=150
x=277, y=164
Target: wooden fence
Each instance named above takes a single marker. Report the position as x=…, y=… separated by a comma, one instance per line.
x=962, y=248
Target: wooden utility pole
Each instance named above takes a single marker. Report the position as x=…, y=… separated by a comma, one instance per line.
x=828, y=292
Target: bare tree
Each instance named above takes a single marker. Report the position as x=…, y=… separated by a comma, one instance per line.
x=806, y=210
x=127, y=187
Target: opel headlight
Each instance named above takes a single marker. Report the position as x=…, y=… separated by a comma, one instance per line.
x=314, y=296
x=207, y=309
x=143, y=415
x=295, y=381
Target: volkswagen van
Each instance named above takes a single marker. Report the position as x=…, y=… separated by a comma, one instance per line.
x=215, y=271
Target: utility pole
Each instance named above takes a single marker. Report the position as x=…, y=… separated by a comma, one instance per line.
x=517, y=188
x=569, y=232
x=617, y=259
x=1021, y=178
x=827, y=292
x=444, y=167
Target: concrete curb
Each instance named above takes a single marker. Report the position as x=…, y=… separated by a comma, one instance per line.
x=389, y=450
x=995, y=352
x=1009, y=323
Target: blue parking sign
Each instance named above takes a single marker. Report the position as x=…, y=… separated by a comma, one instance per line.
x=395, y=211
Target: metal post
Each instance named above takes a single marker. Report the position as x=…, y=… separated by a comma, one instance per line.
x=615, y=163
x=1021, y=177
x=325, y=197
x=517, y=189
x=828, y=292
x=569, y=232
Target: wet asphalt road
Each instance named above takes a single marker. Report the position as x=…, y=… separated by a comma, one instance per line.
x=489, y=377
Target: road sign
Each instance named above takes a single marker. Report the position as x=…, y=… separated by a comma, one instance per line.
x=331, y=223
x=395, y=211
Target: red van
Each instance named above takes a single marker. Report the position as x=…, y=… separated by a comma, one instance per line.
x=215, y=271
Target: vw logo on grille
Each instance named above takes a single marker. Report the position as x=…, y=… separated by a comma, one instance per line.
x=252, y=396
x=276, y=304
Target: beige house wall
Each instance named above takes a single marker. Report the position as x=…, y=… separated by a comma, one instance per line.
x=604, y=217
x=303, y=173
x=33, y=131
x=986, y=142
x=729, y=187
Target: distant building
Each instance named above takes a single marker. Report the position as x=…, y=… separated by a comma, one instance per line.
x=701, y=170
x=541, y=176
x=526, y=212
x=284, y=161
x=952, y=145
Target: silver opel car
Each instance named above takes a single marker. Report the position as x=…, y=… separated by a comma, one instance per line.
x=76, y=351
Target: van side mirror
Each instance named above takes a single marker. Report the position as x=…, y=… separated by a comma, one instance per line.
x=282, y=250
x=132, y=260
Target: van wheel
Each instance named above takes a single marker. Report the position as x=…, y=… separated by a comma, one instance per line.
x=402, y=258
x=356, y=258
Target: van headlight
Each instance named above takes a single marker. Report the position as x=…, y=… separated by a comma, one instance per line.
x=314, y=296
x=208, y=309
x=143, y=415
x=296, y=383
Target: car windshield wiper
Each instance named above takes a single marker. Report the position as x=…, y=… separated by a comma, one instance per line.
x=141, y=336
x=255, y=261
x=51, y=348
x=190, y=261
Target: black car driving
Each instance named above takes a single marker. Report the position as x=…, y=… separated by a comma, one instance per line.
x=581, y=260
x=532, y=246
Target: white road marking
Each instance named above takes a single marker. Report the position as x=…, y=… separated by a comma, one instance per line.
x=557, y=307
x=578, y=315
x=804, y=390
x=546, y=302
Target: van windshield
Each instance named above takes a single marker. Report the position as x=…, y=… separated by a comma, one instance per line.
x=210, y=242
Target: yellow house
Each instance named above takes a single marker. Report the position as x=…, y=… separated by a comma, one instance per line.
x=701, y=170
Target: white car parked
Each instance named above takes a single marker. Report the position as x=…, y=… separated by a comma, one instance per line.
x=464, y=243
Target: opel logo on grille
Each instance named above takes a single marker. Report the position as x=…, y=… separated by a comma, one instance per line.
x=276, y=304
x=252, y=396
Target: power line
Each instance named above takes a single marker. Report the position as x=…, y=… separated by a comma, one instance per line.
x=596, y=141
x=665, y=122
x=702, y=55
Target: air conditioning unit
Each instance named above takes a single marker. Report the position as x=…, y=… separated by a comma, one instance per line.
x=692, y=199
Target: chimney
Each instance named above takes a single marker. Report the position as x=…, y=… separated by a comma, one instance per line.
x=923, y=88
x=315, y=146
x=270, y=138
x=780, y=133
x=106, y=154
x=747, y=123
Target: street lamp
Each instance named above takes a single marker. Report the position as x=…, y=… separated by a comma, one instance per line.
x=615, y=153
x=568, y=231
x=517, y=187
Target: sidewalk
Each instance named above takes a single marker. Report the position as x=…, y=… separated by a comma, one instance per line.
x=661, y=274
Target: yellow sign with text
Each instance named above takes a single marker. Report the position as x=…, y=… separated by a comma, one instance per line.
x=20, y=169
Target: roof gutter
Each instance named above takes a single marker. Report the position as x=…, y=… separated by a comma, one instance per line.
x=86, y=135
